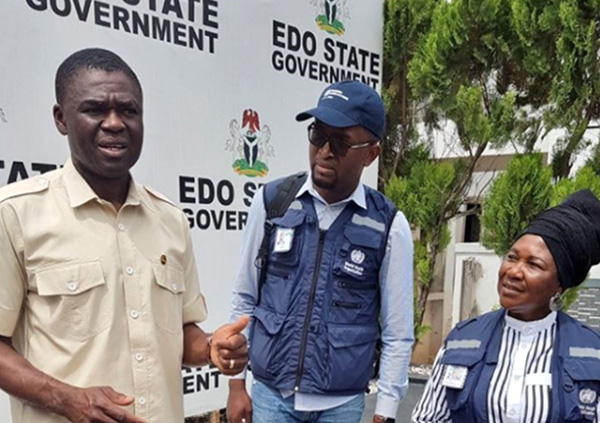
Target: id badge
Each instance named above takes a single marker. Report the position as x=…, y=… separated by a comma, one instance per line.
x=284, y=237
x=454, y=376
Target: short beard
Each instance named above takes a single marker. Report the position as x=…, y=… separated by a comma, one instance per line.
x=322, y=184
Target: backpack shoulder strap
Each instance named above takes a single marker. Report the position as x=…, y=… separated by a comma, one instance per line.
x=285, y=194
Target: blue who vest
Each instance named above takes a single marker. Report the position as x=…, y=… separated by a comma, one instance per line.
x=316, y=325
x=475, y=344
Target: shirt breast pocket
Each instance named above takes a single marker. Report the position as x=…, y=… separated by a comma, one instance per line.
x=167, y=298
x=72, y=301
x=581, y=388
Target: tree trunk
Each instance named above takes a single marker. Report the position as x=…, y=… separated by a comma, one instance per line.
x=403, y=139
x=424, y=288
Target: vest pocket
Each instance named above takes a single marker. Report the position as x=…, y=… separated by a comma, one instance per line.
x=358, y=258
x=283, y=260
x=469, y=359
x=354, y=302
x=264, y=344
x=72, y=300
x=277, y=289
x=581, y=389
x=286, y=251
x=350, y=347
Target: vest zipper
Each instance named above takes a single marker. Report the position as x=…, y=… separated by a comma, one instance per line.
x=311, y=303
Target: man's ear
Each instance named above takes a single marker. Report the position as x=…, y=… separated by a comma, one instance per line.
x=59, y=119
x=372, y=153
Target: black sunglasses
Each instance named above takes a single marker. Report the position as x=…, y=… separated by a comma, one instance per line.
x=337, y=146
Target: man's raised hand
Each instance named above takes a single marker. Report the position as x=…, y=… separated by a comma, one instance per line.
x=229, y=348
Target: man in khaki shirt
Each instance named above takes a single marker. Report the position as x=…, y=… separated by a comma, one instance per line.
x=99, y=293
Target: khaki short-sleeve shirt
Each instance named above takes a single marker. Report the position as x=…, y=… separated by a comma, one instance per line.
x=93, y=297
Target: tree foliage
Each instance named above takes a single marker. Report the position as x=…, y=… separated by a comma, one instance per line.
x=585, y=178
x=513, y=200
x=594, y=161
x=406, y=22
x=560, y=40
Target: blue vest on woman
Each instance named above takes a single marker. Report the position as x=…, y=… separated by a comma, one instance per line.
x=316, y=325
x=475, y=344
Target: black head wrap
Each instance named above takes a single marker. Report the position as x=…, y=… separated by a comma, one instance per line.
x=571, y=232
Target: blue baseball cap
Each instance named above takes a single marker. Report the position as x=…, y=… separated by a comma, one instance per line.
x=349, y=103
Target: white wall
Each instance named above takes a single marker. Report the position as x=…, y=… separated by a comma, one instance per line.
x=485, y=295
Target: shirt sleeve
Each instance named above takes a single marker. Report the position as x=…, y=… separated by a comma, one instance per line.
x=194, y=304
x=433, y=405
x=13, y=280
x=245, y=284
x=396, y=283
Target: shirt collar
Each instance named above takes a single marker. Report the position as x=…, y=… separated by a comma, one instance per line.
x=530, y=328
x=358, y=196
x=79, y=192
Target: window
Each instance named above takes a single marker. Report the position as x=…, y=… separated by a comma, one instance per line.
x=472, y=223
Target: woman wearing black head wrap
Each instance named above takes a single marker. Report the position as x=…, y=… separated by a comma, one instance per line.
x=527, y=362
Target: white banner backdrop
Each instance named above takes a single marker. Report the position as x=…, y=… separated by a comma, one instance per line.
x=208, y=68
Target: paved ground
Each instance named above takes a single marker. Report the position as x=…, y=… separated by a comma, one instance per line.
x=415, y=390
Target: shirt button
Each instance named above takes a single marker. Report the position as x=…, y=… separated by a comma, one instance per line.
x=42, y=182
x=524, y=346
x=121, y=227
x=517, y=377
x=71, y=286
x=139, y=356
x=129, y=270
x=174, y=287
x=134, y=314
x=512, y=412
x=142, y=400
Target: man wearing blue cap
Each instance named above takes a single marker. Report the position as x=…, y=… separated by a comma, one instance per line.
x=332, y=276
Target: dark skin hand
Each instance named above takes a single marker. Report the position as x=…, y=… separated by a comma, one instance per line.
x=78, y=405
x=239, y=405
x=229, y=350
